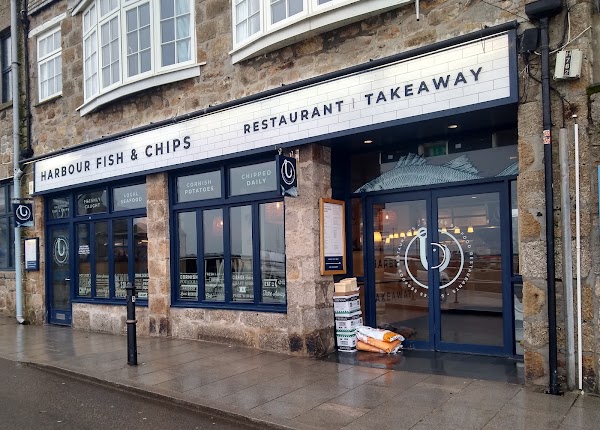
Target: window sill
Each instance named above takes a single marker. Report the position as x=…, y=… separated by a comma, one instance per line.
x=48, y=100
x=228, y=306
x=311, y=25
x=117, y=302
x=6, y=105
x=102, y=99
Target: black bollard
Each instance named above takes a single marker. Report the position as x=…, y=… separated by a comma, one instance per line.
x=131, y=322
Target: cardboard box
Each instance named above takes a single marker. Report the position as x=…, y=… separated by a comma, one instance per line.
x=346, y=285
x=346, y=340
x=348, y=322
x=345, y=303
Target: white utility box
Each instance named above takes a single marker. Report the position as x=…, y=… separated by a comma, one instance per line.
x=568, y=64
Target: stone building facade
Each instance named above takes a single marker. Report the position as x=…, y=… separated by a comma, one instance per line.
x=223, y=73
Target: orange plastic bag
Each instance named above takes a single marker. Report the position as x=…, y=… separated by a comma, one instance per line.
x=361, y=346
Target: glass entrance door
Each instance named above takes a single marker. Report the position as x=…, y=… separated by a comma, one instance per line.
x=441, y=269
x=59, y=275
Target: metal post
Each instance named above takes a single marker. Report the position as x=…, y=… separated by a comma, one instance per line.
x=550, y=265
x=131, y=322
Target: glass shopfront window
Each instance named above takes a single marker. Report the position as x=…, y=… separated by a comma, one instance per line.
x=110, y=240
x=230, y=240
x=7, y=260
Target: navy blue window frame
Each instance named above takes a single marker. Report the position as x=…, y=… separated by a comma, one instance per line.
x=6, y=217
x=74, y=220
x=225, y=203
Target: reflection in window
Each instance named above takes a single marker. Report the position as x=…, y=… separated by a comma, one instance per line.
x=140, y=255
x=101, y=257
x=120, y=257
x=357, y=239
x=84, y=268
x=214, y=258
x=6, y=228
x=188, y=256
x=515, y=226
x=272, y=253
x=242, y=281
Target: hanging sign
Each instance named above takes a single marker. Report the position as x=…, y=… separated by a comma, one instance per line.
x=333, y=237
x=286, y=174
x=23, y=213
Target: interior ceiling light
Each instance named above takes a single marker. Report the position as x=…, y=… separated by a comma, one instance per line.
x=453, y=126
x=368, y=142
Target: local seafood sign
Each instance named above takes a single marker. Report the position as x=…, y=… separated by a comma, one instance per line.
x=394, y=90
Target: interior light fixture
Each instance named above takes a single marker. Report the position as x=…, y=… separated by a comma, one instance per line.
x=377, y=236
x=457, y=230
x=453, y=126
x=387, y=240
x=409, y=233
x=396, y=236
x=470, y=229
x=402, y=235
x=444, y=230
x=368, y=142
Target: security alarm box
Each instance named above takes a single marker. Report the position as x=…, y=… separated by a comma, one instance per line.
x=568, y=64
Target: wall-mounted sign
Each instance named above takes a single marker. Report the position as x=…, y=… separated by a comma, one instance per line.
x=333, y=237
x=287, y=176
x=23, y=213
x=93, y=202
x=130, y=197
x=32, y=250
x=59, y=208
x=255, y=178
x=461, y=77
x=202, y=186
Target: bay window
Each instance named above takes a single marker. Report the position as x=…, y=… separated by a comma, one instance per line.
x=126, y=41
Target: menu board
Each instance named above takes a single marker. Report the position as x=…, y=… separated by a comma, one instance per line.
x=333, y=237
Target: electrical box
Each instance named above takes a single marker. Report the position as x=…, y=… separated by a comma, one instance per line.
x=568, y=64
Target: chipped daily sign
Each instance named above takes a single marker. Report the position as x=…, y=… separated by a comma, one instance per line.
x=462, y=76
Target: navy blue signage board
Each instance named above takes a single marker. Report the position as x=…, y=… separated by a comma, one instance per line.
x=287, y=176
x=333, y=237
x=23, y=213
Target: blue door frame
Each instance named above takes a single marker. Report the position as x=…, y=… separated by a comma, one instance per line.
x=430, y=197
x=59, y=271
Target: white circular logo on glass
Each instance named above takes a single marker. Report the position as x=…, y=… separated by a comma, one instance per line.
x=455, y=260
x=60, y=250
x=288, y=172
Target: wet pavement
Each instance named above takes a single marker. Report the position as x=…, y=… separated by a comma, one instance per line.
x=279, y=391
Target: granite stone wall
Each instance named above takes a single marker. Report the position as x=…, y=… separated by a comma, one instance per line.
x=307, y=326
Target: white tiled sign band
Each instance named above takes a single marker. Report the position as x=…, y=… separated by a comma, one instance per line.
x=460, y=76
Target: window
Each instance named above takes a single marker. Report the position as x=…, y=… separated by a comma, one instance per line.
x=230, y=251
x=49, y=65
x=5, y=66
x=110, y=240
x=7, y=232
x=261, y=26
x=127, y=40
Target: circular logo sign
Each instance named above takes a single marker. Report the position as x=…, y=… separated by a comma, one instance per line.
x=23, y=213
x=288, y=172
x=60, y=250
x=455, y=260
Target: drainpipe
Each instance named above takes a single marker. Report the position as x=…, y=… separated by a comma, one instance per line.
x=550, y=265
x=565, y=215
x=25, y=22
x=14, y=38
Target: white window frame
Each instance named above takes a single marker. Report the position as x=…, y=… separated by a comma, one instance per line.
x=250, y=38
x=46, y=59
x=314, y=19
x=157, y=75
x=289, y=19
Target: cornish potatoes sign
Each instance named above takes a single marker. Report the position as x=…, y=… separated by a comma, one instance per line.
x=461, y=77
